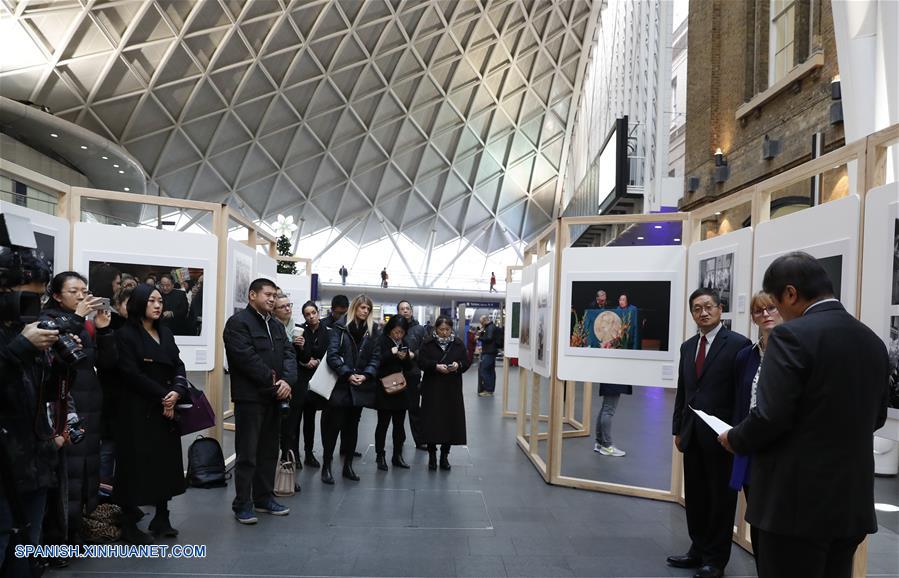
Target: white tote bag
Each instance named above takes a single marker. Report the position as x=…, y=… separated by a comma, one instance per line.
x=323, y=380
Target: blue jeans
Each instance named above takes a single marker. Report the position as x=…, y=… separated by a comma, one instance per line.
x=604, y=419
x=33, y=505
x=487, y=372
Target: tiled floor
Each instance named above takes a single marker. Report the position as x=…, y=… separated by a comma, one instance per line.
x=492, y=515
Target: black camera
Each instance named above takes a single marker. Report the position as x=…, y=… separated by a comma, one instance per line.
x=21, y=263
x=75, y=430
x=66, y=348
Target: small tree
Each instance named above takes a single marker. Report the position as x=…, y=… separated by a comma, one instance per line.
x=286, y=267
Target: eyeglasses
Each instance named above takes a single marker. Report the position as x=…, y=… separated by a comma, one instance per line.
x=770, y=310
x=285, y=306
x=707, y=308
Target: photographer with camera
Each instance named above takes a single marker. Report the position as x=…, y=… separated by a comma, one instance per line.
x=263, y=368
x=28, y=442
x=69, y=307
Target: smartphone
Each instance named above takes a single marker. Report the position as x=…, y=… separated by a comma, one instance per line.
x=403, y=348
x=102, y=304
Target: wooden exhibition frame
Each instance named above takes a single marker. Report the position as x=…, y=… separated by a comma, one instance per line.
x=510, y=270
x=869, y=156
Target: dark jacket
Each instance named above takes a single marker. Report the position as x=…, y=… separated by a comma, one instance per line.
x=176, y=302
x=347, y=357
x=415, y=336
x=712, y=392
x=488, y=340
x=110, y=380
x=149, y=467
x=821, y=395
x=315, y=346
x=256, y=347
x=83, y=459
x=745, y=367
x=28, y=437
x=442, y=404
x=389, y=364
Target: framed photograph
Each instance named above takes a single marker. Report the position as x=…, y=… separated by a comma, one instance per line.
x=834, y=267
x=620, y=315
x=895, y=239
x=893, y=350
x=527, y=295
x=717, y=273
x=188, y=326
x=242, y=272
x=542, y=316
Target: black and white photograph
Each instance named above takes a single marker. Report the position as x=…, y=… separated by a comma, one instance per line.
x=718, y=273
x=895, y=299
x=516, y=319
x=527, y=292
x=243, y=276
x=46, y=244
x=893, y=349
x=543, y=317
x=623, y=315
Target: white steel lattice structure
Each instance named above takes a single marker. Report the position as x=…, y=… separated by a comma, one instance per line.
x=413, y=125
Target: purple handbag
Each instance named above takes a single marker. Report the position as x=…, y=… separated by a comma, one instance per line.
x=195, y=414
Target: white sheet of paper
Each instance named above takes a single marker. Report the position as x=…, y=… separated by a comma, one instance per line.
x=718, y=425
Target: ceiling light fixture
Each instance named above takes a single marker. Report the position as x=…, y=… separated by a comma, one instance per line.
x=127, y=189
x=677, y=240
x=121, y=172
x=105, y=158
x=54, y=135
x=639, y=238
x=658, y=226
x=84, y=148
x=115, y=166
x=717, y=213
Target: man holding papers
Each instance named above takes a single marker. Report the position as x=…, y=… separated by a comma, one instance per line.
x=821, y=394
x=706, y=383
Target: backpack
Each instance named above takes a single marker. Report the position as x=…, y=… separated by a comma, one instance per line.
x=205, y=464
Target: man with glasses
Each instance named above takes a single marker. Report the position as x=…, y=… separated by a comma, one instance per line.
x=174, y=306
x=706, y=382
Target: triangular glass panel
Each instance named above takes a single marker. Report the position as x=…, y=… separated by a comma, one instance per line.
x=331, y=22
x=116, y=113
x=277, y=65
x=277, y=144
x=303, y=174
x=204, y=45
x=233, y=51
x=208, y=186
x=228, y=80
x=255, y=84
x=174, y=96
x=256, y=166
x=177, y=184
x=252, y=112
x=323, y=126
x=283, y=37
x=151, y=27
x=305, y=17
x=279, y=115
x=256, y=31
x=200, y=132
x=230, y=133
x=350, y=54
x=346, y=80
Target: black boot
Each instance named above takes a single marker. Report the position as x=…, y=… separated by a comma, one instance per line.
x=382, y=462
x=327, y=478
x=444, y=459
x=311, y=461
x=432, y=459
x=160, y=525
x=398, y=460
x=132, y=535
x=348, y=472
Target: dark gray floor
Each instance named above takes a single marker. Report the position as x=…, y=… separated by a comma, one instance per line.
x=492, y=515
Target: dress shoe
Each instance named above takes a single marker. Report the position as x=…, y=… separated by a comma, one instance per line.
x=296, y=488
x=327, y=478
x=708, y=571
x=161, y=527
x=399, y=462
x=382, y=462
x=444, y=463
x=348, y=472
x=686, y=561
x=432, y=461
x=311, y=461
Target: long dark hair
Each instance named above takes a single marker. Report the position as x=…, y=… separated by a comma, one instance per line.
x=137, y=304
x=56, y=285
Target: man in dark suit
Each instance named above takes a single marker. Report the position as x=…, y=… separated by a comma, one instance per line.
x=706, y=382
x=822, y=392
x=174, y=306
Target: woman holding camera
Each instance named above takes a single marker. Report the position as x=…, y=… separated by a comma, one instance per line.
x=149, y=467
x=443, y=358
x=396, y=359
x=69, y=306
x=354, y=354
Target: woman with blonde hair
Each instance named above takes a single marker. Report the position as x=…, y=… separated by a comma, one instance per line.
x=747, y=367
x=354, y=354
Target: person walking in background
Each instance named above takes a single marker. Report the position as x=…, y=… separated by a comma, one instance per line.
x=263, y=369
x=611, y=394
x=706, y=382
x=747, y=367
x=343, y=275
x=384, y=277
x=443, y=359
x=822, y=393
x=396, y=358
x=415, y=334
x=487, y=365
x=149, y=465
x=492, y=282
x=354, y=354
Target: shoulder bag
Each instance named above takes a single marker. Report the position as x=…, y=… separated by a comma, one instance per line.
x=393, y=383
x=286, y=476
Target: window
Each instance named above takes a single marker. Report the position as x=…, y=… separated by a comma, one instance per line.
x=783, y=23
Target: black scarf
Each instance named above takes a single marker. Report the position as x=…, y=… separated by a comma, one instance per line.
x=357, y=330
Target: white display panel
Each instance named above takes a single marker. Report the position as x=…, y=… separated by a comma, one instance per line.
x=141, y=247
x=51, y=233
x=725, y=263
x=542, y=316
x=298, y=288
x=513, y=320
x=828, y=232
x=265, y=266
x=526, y=337
x=642, y=285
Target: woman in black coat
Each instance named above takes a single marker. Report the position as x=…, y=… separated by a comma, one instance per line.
x=443, y=358
x=354, y=355
x=396, y=358
x=149, y=467
x=70, y=300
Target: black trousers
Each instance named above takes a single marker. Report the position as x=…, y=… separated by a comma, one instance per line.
x=340, y=422
x=257, y=427
x=385, y=416
x=301, y=413
x=711, y=504
x=782, y=556
x=413, y=386
x=753, y=533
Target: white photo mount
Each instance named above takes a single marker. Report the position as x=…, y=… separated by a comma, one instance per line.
x=542, y=316
x=525, y=348
x=513, y=295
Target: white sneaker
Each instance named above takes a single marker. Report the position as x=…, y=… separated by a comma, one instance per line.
x=609, y=451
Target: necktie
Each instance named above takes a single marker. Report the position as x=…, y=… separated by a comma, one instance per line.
x=700, y=357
